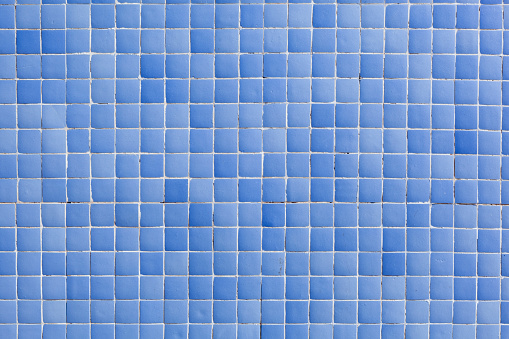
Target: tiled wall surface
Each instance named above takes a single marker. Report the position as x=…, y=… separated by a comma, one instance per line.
x=253, y=170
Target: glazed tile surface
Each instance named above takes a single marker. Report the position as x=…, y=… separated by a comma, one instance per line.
x=254, y=170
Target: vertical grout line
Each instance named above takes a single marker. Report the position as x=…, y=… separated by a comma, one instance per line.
x=500, y=162
x=17, y=175
x=237, y=228
x=430, y=165
x=40, y=86
x=357, y=196
x=478, y=83
x=262, y=127
x=430, y=168
x=115, y=228
x=309, y=166
x=188, y=205
x=163, y=182
x=312, y=7
x=382, y=172
x=334, y=164
x=237, y=219
x=90, y=153
x=138, y=104
x=286, y=50
x=213, y=162
x=333, y=181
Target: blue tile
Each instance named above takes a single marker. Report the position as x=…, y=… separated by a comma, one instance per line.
x=372, y=16
x=467, y=16
x=420, y=16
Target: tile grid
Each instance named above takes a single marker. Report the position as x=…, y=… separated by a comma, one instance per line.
x=359, y=129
